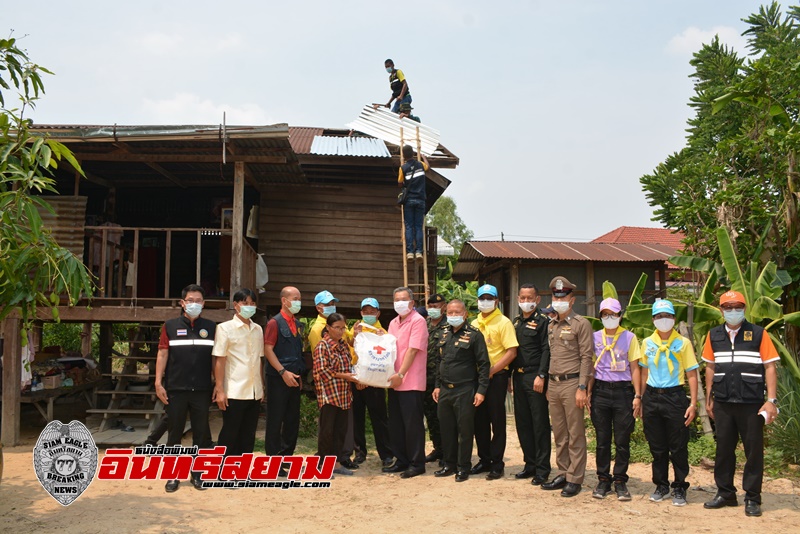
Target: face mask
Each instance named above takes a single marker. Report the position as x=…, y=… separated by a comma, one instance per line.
x=527, y=307
x=247, y=311
x=664, y=325
x=485, y=306
x=295, y=307
x=389, y=70
x=610, y=323
x=560, y=306
x=327, y=310
x=402, y=307
x=434, y=313
x=193, y=309
x=455, y=320
x=733, y=317
x=369, y=319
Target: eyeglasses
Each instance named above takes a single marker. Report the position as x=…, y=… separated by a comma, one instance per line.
x=193, y=301
x=609, y=316
x=732, y=308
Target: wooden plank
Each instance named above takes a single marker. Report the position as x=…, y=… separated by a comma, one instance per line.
x=238, y=230
x=103, y=249
x=167, y=253
x=12, y=370
x=591, y=301
x=199, y=249
x=135, y=262
x=178, y=158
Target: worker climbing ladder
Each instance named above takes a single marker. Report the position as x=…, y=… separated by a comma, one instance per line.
x=425, y=286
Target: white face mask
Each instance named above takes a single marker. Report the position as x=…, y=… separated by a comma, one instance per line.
x=610, y=323
x=665, y=325
x=527, y=307
x=485, y=306
x=560, y=306
x=402, y=307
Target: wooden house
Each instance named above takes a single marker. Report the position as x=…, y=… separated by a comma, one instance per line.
x=165, y=206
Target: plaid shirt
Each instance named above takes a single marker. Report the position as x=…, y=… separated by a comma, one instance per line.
x=332, y=357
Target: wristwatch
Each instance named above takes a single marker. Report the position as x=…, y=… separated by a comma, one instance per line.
x=582, y=387
x=401, y=375
x=542, y=376
x=283, y=370
x=637, y=396
x=773, y=401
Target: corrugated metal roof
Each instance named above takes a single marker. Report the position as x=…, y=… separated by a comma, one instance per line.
x=349, y=146
x=301, y=138
x=384, y=124
x=474, y=253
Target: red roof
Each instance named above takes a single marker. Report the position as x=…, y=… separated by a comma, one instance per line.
x=301, y=138
x=639, y=234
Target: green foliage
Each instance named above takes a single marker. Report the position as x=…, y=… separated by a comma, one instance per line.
x=34, y=270
x=309, y=417
x=702, y=447
x=444, y=216
x=464, y=291
x=784, y=433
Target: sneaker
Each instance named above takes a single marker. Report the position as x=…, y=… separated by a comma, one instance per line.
x=659, y=494
x=622, y=491
x=410, y=256
x=678, y=497
x=343, y=471
x=419, y=255
x=603, y=488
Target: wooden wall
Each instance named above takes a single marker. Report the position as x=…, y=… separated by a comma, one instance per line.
x=345, y=239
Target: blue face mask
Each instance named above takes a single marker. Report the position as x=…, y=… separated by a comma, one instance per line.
x=247, y=311
x=295, y=307
x=193, y=309
x=455, y=320
x=327, y=310
x=389, y=70
x=733, y=317
x=369, y=319
x=434, y=313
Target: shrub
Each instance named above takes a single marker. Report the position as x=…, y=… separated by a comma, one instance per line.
x=784, y=433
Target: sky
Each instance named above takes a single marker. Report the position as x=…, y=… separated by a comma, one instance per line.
x=555, y=108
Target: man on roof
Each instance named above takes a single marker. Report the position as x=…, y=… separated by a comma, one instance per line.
x=399, y=86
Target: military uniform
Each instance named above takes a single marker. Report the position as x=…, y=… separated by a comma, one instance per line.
x=531, y=413
x=435, y=336
x=462, y=372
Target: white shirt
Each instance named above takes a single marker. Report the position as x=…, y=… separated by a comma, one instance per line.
x=242, y=346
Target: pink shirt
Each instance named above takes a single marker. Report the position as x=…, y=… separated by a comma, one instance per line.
x=411, y=332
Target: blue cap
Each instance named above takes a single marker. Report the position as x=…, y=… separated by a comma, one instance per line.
x=663, y=306
x=324, y=297
x=369, y=301
x=487, y=289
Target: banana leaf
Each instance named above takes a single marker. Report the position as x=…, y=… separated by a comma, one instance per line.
x=787, y=360
x=638, y=290
x=732, y=268
x=707, y=296
x=698, y=264
x=769, y=284
x=764, y=308
x=609, y=291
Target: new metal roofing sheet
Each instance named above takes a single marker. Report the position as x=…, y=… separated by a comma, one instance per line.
x=349, y=146
x=384, y=124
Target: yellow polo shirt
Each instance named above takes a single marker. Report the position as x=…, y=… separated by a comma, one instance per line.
x=242, y=346
x=499, y=333
x=315, y=334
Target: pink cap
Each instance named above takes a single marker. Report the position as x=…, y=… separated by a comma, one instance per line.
x=610, y=304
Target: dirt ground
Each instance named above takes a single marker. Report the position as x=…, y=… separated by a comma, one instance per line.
x=372, y=501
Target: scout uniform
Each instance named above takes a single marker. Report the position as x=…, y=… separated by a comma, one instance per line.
x=530, y=407
x=435, y=335
x=462, y=372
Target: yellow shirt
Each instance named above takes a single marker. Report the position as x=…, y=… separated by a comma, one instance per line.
x=242, y=346
x=315, y=334
x=499, y=333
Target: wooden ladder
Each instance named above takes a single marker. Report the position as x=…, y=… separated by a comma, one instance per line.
x=426, y=287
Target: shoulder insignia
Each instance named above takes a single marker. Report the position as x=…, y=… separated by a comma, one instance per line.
x=748, y=335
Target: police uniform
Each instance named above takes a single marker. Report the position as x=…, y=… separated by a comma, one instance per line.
x=739, y=357
x=435, y=335
x=462, y=372
x=531, y=413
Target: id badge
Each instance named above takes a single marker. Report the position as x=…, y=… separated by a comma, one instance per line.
x=618, y=366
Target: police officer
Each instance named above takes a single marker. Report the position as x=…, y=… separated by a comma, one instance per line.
x=571, y=354
x=531, y=414
x=184, y=360
x=462, y=379
x=740, y=361
x=436, y=328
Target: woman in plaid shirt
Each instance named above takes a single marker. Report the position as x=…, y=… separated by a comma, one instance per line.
x=332, y=373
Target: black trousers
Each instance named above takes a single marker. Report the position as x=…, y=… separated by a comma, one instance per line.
x=196, y=404
x=407, y=429
x=432, y=419
x=374, y=400
x=239, y=421
x=348, y=444
x=457, y=422
x=532, y=418
x=735, y=421
x=668, y=437
x=161, y=428
x=332, y=430
x=490, y=422
x=283, y=417
x=612, y=414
